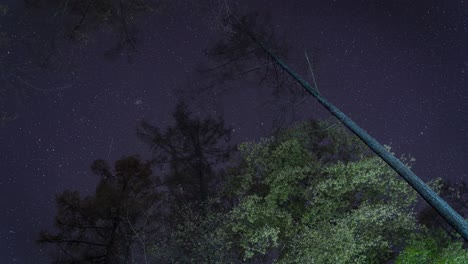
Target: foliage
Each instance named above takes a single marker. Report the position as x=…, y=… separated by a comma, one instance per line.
x=316, y=210
x=433, y=247
x=326, y=140
x=310, y=194
x=194, y=235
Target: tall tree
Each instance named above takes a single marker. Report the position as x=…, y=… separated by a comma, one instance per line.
x=450, y=215
x=104, y=227
x=191, y=148
x=242, y=27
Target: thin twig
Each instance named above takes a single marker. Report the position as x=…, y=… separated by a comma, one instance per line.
x=42, y=89
x=255, y=68
x=312, y=73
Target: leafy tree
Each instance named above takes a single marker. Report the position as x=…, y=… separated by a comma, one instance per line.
x=191, y=149
x=244, y=30
x=442, y=207
x=304, y=209
x=433, y=246
x=106, y=226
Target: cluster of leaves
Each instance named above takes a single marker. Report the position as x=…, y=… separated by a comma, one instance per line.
x=433, y=246
x=313, y=210
x=195, y=236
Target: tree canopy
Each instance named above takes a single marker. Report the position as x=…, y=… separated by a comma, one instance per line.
x=311, y=211
x=308, y=194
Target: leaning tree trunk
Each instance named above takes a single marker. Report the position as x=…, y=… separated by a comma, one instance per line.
x=444, y=209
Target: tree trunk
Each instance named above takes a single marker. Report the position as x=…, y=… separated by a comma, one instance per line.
x=444, y=209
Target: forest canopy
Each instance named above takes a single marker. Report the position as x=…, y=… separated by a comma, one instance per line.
x=312, y=193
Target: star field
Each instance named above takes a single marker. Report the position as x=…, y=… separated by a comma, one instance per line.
x=397, y=68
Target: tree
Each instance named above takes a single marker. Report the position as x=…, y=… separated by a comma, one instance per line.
x=191, y=148
x=240, y=30
x=297, y=208
x=293, y=203
x=233, y=56
x=447, y=212
x=327, y=140
x=106, y=226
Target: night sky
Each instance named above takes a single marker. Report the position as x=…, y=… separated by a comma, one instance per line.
x=397, y=68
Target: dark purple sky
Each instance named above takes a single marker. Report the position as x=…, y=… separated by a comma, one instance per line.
x=398, y=69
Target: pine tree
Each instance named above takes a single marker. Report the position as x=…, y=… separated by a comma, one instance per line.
x=189, y=151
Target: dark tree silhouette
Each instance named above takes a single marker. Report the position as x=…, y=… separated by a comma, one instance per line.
x=102, y=228
x=234, y=56
x=188, y=151
x=79, y=19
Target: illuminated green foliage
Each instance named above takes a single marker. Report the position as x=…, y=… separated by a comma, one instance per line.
x=193, y=236
x=313, y=209
x=433, y=247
